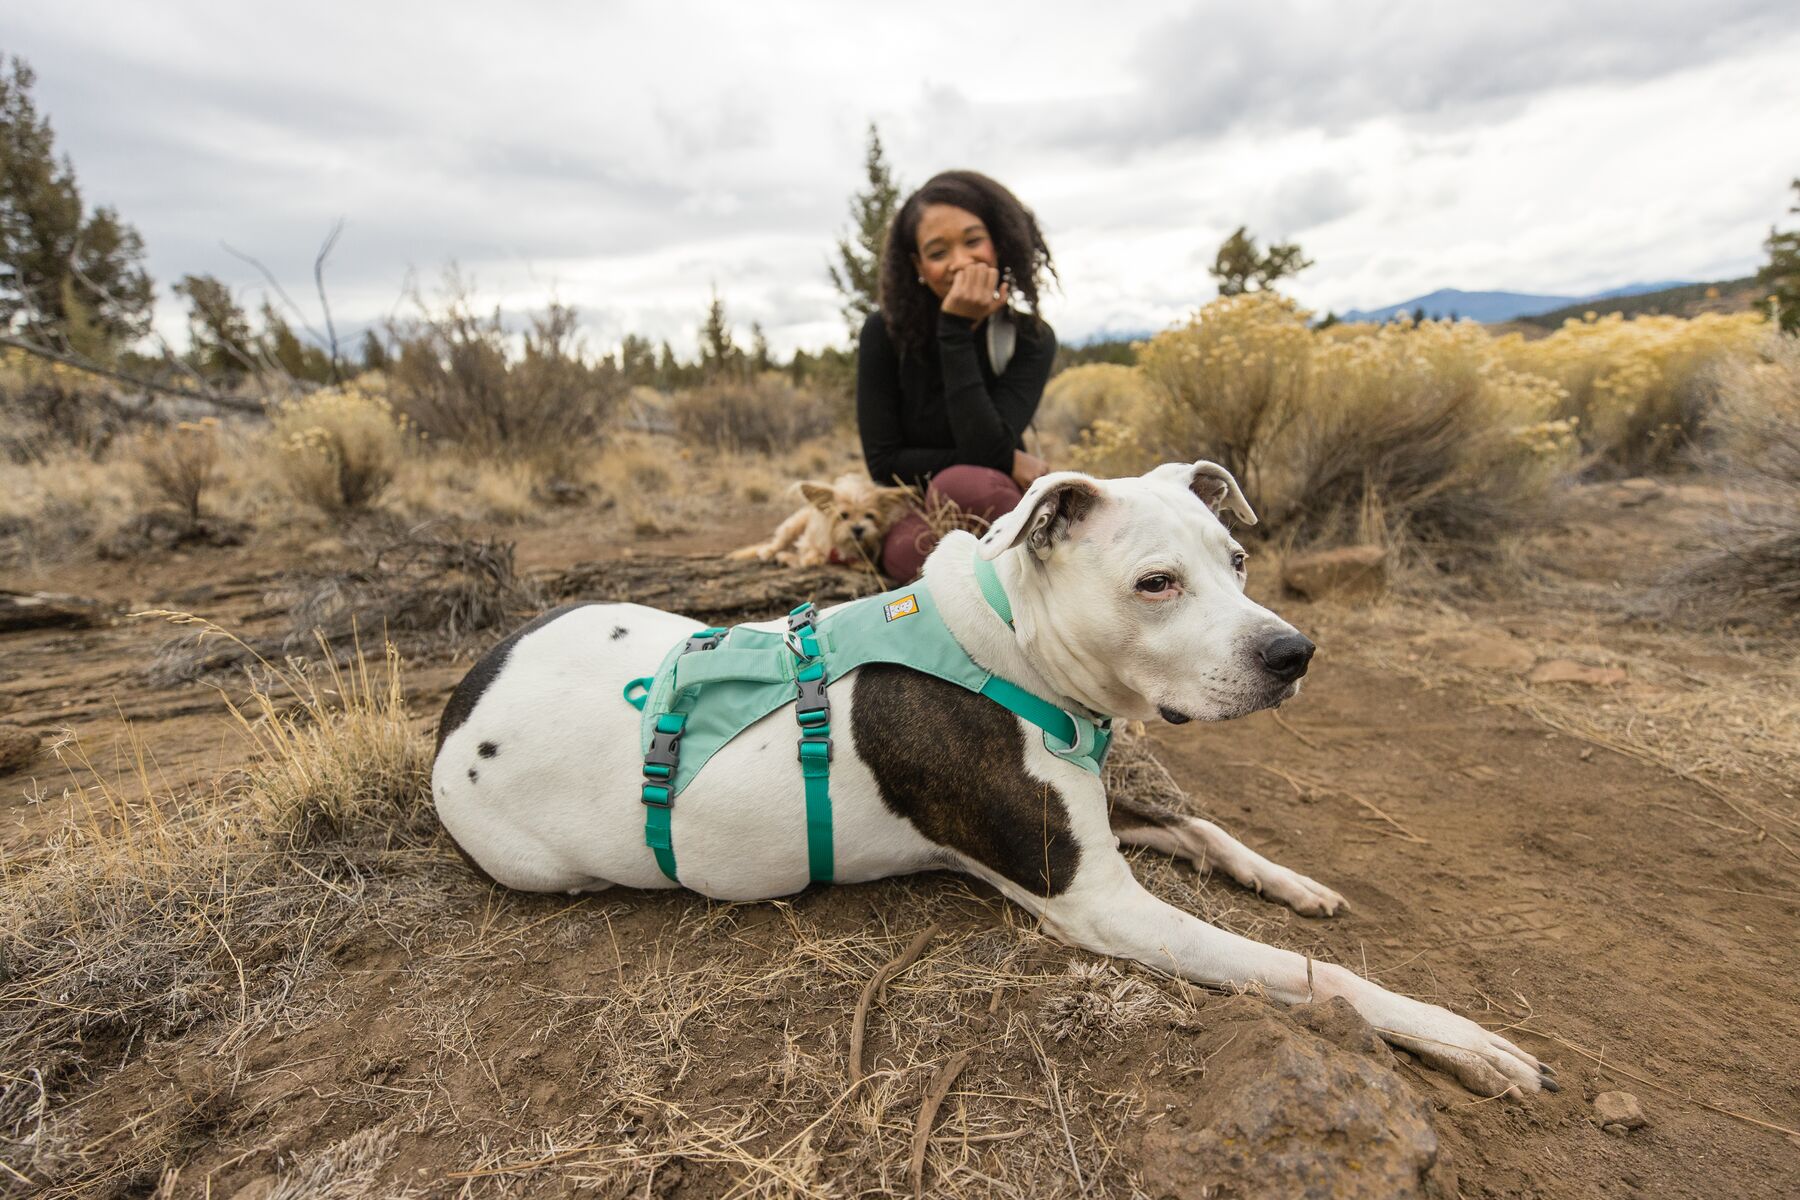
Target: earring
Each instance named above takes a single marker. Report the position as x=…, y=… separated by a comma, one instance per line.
x=921, y=279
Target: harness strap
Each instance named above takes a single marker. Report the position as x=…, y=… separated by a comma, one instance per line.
x=988, y=579
x=662, y=759
x=812, y=712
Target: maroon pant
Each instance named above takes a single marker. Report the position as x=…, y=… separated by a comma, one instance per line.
x=978, y=491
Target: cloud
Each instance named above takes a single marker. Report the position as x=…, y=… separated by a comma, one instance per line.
x=1222, y=66
x=632, y=157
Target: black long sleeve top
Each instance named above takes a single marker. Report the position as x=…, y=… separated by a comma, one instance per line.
x=920, y=413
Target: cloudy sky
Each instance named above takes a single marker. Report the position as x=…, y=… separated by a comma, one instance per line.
x=630, y=157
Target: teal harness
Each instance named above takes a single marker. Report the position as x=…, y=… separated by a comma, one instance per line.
x=718, y=682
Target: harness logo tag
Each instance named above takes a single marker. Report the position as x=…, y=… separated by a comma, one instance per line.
x=905, y=606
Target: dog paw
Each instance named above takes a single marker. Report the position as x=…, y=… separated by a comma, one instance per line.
x=1308, y=897
x=1480, y=1059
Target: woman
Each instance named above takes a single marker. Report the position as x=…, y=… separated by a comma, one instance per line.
x=948, y=376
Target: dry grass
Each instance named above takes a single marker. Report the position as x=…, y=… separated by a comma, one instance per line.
x=56, y=508
x=765, y=414
x=149, y=914
x=1751, y=564
x=181, y=464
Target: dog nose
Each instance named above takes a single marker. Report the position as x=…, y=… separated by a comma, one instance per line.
x=1286, y=656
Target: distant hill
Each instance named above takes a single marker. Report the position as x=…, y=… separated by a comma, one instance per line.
x=1681, y=300
x=1492, y=307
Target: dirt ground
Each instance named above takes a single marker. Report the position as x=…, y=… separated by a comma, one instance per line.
x=1579, y=862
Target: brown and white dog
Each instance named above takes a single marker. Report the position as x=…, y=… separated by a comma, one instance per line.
x=1128, y=600
x=843, y=522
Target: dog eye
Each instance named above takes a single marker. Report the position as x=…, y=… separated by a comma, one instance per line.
x=1155, y=584
x=1238, y=558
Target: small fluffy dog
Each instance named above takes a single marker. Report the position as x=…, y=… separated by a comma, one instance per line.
x=843, y=522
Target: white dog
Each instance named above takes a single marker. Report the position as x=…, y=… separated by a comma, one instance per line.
x=1127, y=600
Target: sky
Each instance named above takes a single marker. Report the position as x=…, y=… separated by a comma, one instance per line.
x=628, y=159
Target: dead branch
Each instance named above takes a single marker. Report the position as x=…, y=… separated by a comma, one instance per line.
x=337, y=229
x=148, y=385
x=878, y=983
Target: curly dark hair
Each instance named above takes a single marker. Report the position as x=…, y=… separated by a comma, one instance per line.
x=908, y=307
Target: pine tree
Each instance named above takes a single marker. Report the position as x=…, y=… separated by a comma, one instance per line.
x=857, y=273
x=760, y=359
x=221, y=344
x=65, y=276
x=375, y=355
x=282, y=347
x=718, y=353
x=1240, y=267
x=1782, y=274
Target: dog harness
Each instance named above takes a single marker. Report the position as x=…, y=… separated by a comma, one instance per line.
x=716, y=683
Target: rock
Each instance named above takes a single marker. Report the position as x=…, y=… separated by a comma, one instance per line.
x=1284, y=1111
x=1566, y=670
x=1350, y=573
x=1621, y=1109
x=45, y=610
x=16, y=746
x=1483, y=651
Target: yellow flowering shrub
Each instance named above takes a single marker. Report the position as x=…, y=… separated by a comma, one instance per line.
x=1359, y=432
x=337, y=449
x=1075, y=399
x=1231, y=380
x=1110, y=449
x=1638, y=389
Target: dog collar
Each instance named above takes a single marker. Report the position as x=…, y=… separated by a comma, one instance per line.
x=989, y=581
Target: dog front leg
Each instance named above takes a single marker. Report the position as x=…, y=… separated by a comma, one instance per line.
x=785, y=535
x=1206, y=845
x=1109, y=912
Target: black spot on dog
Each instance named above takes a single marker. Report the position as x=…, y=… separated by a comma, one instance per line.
x=619, y=631
x=487, y=749
x=468, y=693
x=955, y=768
x=472, y=775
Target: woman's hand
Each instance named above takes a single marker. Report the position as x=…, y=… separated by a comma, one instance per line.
x=1027, y=467
x=976, y=293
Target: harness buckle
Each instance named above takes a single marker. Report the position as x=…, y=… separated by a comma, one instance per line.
x=813, y=705
x=706, y=639
x=655, y=795
x=664, y=751
x=802, y=632
x=820, y=747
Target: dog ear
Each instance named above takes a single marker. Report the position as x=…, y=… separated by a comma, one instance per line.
x=1212, y=483
x=892, y=500
x=1043, y=518
x=821, y=496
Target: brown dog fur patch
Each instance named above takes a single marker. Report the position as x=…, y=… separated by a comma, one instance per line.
x=953, y=763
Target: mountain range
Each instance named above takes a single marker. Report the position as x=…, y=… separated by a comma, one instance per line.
x=1490, y=307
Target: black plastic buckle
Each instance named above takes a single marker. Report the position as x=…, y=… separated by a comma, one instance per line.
x=664, y=751
x=830, y=749
x=702, y=641
x=812, y=698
